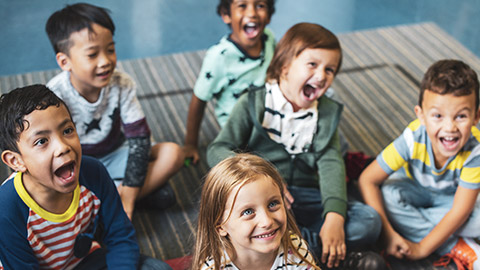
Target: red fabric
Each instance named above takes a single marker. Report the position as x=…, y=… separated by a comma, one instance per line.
x=182, y=263
x=355, y=162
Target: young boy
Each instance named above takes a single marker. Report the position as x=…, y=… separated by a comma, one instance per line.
x=57, y=208
x=104, y=106
x=238, y=62
x=429, y=204
x=291, y=123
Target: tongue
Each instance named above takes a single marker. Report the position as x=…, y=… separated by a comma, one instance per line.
x=250, y=31
x=308, y=90
x=64, y=172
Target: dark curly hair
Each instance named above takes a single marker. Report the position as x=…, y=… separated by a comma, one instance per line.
x=18, y=103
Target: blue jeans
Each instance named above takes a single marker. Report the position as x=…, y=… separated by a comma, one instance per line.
x=414, y=211
x=362, y=226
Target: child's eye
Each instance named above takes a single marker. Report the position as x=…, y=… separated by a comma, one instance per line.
x=68, y=130
x=312, y=64
x=330, y=70
x=92, y=55
x=273, y=204
x=247, y=212
x=461, y=116
x=437, y=115
x=261, y=5
x=40, y=142
x=242, y=5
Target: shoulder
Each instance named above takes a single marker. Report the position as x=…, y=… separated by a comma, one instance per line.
x=11, y=205
x=122, y=80
x=59, y=83
x=91, y=171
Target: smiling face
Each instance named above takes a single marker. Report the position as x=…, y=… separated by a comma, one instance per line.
x=448, y=120
x=308, y=76
x=91, y=60
x=49, y=152
x=257, y=221
x=248, y=19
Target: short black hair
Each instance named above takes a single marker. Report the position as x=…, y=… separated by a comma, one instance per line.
x=223, y=7
x=18, y=103
x=74, y=18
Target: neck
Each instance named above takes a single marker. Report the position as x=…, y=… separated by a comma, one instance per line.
x=51, y=201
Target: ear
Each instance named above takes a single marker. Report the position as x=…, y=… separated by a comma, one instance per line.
x=419, y=113
x=477, y=116
x=63, y=61
x=13, y=160
x=222, y=231
x=226, y=18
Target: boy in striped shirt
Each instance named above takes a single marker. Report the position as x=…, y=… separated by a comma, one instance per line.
x=58, y=210
x=430, y=204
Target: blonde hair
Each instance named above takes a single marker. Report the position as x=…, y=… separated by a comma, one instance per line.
x=299, y=37
x=235, y=171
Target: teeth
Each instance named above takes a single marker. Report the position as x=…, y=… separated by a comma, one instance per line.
x=250, y=24
x=265, y=235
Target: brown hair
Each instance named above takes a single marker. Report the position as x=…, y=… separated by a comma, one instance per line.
x=450, y=77
x=298, y=38
x=220, y=181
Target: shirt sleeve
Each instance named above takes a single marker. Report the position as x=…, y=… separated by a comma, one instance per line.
x=397, y=153
x=118, y=233
x=15, y=251
x=211, y=79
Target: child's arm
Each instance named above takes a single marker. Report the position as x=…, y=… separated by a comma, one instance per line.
x=196, y=111
x=233, y=135
x=118, y=232
x=332, y=235
x=463, y=204
x=369, y=183
x=135, y=172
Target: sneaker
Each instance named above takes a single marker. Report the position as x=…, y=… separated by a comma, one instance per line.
x=464, y=254
x=162, y=198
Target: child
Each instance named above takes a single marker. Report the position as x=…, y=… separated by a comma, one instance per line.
x=230, y=67
x=292, y=124
x=243, y=222
x=104, y=106
x=57, y=207
x=429, y=205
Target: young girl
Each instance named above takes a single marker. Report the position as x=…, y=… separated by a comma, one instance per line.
x=243, y=222
x=292, y=123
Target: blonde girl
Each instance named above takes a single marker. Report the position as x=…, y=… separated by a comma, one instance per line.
x=243, y=222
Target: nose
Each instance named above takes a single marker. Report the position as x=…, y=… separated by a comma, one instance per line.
x=104, y=60
x=320, y=74
x=265, y=219
x=251, y=10
x=61, y=147
x=450, y=125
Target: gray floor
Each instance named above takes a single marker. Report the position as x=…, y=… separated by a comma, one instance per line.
x=147, y=28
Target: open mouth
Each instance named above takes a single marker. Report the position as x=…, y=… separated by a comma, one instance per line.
x=104, y=74
x=66, y=171
x=251, y=29
x=449, y=143
x=267, y=235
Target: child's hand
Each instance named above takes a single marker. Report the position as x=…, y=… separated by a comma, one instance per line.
x=191, y=151
x=332, y=236
x=288, y=197
x=398, y=246
x=416, y=251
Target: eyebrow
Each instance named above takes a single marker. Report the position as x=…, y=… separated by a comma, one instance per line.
x=62, y=124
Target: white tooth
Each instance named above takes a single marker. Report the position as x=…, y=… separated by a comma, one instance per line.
x=250, y=24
